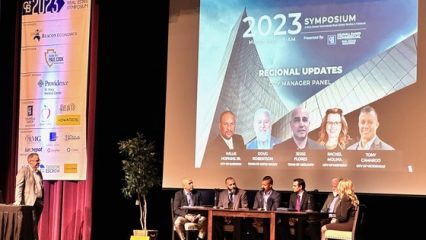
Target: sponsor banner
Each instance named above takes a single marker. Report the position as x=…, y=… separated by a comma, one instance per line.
x=53, y=86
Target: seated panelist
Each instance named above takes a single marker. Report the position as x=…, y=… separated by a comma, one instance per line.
x=188, y=197
x=232, y=198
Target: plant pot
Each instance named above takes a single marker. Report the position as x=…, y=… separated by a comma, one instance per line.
x=133, y=237
x=144, y=234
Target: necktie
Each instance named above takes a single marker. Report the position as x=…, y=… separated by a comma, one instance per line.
x=189, y=198
x=298, y=202
x=231, y=200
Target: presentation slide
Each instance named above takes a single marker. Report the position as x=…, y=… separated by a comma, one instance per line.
x=310, y=89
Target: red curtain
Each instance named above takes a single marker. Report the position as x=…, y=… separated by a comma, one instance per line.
x=67, y=213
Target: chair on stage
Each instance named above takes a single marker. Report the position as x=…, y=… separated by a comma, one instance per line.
x=188, y=227
x=349, y=235
x=228, y=230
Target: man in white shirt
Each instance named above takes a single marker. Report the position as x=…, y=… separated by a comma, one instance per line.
x=188, y=197
x=368, y=123
x=227, y=144
x=262, y=125
x=266, y=199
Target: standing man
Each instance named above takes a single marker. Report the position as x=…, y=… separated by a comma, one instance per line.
x=188, y=197
x=29, y=188
x=262, y=124
x=232, y=198
x=299, y=124
x=368, y=123
x=266, y=199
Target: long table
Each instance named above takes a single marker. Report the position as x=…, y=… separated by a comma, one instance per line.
x=248, y=213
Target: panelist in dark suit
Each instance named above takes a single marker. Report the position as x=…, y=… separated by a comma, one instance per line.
x=299, y=124
x=301, y=200
x=266, y=199
x=29, y=188
x=220, y=144
x=187, y=197
x=232, y=198
x=345, y=211
x=226, y=144
x=368, y=124
x=305, y=199
x=331, y=201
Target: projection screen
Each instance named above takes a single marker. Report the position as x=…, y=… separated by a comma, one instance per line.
x=310, y=89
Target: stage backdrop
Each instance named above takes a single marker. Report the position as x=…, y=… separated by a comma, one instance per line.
x=243, y=56
x=53, y=86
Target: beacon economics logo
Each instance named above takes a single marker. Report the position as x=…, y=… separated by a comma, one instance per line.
x=30, y=7
x=36, y=35
x=39, y=35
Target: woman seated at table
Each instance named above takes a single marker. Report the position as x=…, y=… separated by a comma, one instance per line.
x=345, y=211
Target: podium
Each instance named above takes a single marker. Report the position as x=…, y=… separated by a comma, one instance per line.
x=16, y=222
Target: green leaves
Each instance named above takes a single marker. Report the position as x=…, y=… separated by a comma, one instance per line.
x=141, y=168
x=141, y=171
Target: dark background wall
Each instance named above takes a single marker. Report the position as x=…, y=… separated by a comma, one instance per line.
x=131, y=92
x=7, y=38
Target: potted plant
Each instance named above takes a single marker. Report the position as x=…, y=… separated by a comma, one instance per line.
x=141, y=173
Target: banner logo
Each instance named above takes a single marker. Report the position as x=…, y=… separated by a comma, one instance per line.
x=52, y=57
x=42, y=6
